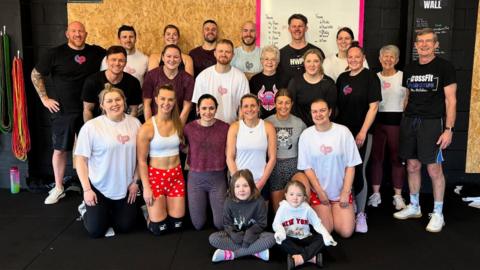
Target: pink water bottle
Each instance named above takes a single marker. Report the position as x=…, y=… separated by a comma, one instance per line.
x=14, y=180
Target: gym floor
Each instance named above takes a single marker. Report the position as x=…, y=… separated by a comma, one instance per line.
x=36, y=236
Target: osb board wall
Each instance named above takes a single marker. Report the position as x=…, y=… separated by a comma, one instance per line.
x=149, y=17
x=473, y=145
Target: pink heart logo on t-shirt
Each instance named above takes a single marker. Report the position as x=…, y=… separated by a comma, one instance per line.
x=123, y=138
x=80, y=59
x=222, y=90
x=386, y=85
x=325, y=149
x=347, y=90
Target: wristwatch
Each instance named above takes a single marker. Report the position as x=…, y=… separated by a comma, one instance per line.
x=452, y=129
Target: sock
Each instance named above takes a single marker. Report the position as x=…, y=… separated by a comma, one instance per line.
x=438, y=207
x=415, y=200
x=174, y=224
x=222, y=255
x=264, y=255
x=158, y=228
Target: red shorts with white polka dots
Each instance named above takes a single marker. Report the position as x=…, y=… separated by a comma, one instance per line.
x=314, y=200
x=169, y=183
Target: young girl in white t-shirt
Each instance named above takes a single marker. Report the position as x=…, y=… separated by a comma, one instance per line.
x=292, y=228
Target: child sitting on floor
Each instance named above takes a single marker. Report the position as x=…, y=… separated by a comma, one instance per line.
x=244, y=218
x=292, y=228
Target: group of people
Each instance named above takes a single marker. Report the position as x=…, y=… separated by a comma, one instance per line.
x=252, y=126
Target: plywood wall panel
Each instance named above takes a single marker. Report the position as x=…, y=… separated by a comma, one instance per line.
x=473, y=144
x=149, y=17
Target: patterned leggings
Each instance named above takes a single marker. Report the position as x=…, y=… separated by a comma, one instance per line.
x=223, y=241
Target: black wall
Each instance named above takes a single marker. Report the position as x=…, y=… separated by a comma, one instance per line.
x=10, y=16
x=386, y=22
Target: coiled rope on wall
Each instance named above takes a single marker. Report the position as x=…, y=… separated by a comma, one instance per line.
x=6, y=102
x=21, y=133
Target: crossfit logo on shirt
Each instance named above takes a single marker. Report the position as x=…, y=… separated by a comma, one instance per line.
x=80, y=59
x=267, y=97
x=347, y=90
x=325, y=149
x=222, y=90
x=422, y=83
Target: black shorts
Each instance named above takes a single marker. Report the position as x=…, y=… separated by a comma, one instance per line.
x=418, y=139
x=64, y=128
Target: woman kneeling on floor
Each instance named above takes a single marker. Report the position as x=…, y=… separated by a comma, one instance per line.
x=162, y=179
x=329, y=145
x=105, y=158
x=244, y=218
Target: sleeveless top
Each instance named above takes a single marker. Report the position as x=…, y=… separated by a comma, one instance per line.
x=252, y=148
x=163, y=146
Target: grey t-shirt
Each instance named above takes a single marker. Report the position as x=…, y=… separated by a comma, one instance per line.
x=288, y=132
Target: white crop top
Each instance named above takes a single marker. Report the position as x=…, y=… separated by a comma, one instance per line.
x=163, y=146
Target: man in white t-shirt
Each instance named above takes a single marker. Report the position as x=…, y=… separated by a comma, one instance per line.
x=226, y=83
x=137, y=62
x=247, y=56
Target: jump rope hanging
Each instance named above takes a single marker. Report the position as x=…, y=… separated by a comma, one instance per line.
x=21, y=133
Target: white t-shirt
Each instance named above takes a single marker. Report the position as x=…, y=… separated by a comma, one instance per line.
x=334, y=66
x=393, y=93
x=111, y=151
x=228, y=88
x=247, y=61
x=137, y=64
x=328, y=153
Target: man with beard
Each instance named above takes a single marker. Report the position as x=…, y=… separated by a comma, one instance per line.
x=137, y=62
x=226, y=83
x=291, y=56
x=116, y=76
x=67, y=65
x=203, y=56
x=247, y=56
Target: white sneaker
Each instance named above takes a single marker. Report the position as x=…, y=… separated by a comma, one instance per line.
x=375, y=199
x=399, y=202
x=409, y=212
x=54, y=196
x=436, y=223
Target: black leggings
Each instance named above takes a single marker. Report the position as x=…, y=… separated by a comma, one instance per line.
x=307, y=247
x=118, y=214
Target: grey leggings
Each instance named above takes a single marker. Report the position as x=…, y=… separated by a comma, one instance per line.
x=223, y=241
x=199, y=186
x=360, y=181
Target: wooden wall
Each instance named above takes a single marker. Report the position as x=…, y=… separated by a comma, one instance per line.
x=102, y=20
x=473, y=146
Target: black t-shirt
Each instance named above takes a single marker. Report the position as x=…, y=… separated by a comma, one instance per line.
x=265, y=87
x=68, y=69
x=304, y=93
x=291, y=62
x=355, y=93
x=95, y=83
x=202, y=59
x=425, y=83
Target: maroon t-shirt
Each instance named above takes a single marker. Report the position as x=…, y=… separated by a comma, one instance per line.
x=182, y=84
x=202, y=59
x=206, y=146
